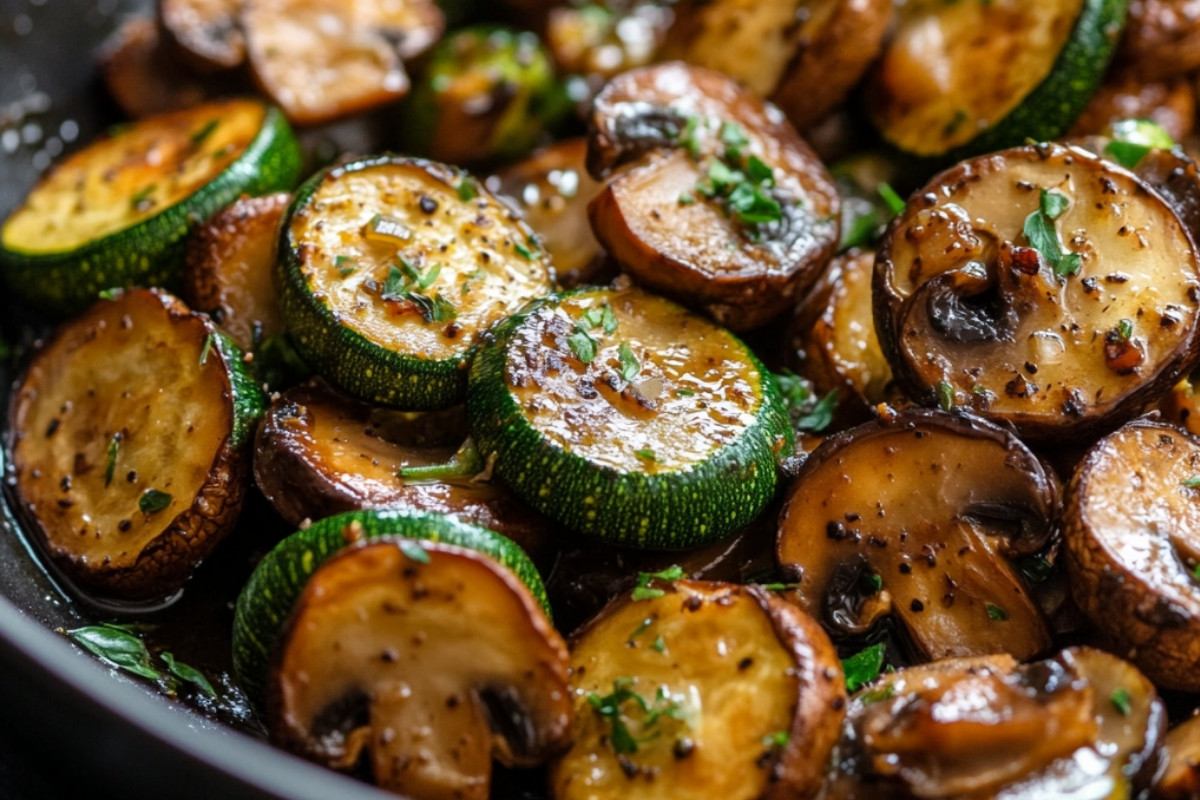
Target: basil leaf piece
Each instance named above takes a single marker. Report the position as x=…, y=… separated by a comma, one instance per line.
x=582, y=345
x=188, y=674
x=863, y=667
x=630, y=367
x=117, y=647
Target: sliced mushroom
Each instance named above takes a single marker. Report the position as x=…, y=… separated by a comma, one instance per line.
x=1082, y=724
x=425, y=661
x=1162, y=38
x=206, y=33
x=1182, y=406
x=552, y=189
x=142, y=76
x=227, y=272
x=1132, y=532
x=1043, y=286
x=922, y=515
x=833, y=336
x=411, y=26
x=805, y=55
x=319, y=453
x=694, y=216
x=1171, y=104
x=700, y=690
x=312, y=59
x=1181, y=778
x=599, y=41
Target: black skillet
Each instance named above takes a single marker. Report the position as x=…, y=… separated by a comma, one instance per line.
x=69, y=727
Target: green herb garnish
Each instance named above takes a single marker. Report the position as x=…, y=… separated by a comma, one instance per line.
x=413, y=550
x=582, y=345
x=188, y=674
x=467, y=189
x=734, y=139
x=777, y=740
x=152, y=501
x=141, y=199
x=116, y=646
x=110, y=465
x=1120, y=700
x=630, y=367
x=945, y=395
x=1042, y=236
x=659, y=645
x=1192, y=482
x=1124, y=330
x=646, y=454
x=644, y=591
x=609, y=707
x=808, y=413
x=199, y=136
x=204, y=351
x=345, y=265
x=863, y=667
x=689, y=136
x=895, y=202
x=1134, y=138
x=996, y=613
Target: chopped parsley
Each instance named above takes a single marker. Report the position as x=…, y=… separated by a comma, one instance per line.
x=644, y=591
x=630, y=367
x=945, y=395
x=141, y=199
x=1124, y=330
x=996, y=613
x=734, y=139
x=659, y=645
x=199, y=136
x=778, y=587
x=689, y=136
x=1042, y=236
x=1192, y=482
x=152, y=501
x=646, y=454
x=188, y=674
x=895, y=202
x=402, y=284
x=582, y=345
x=581, y=342
x=1134, y=138
x=204, y=351
x=738, y=182
x=600, y=316
x=686, y=198
x=413, y=550
x=467, y=189
x=863, y=667
x=641, y=628
x=871, y=582
x=345, y=265
x=609, y=707
x=807, y=412
x=1120, y=700
x=1036, y=569
x=110, y=466
x=525, y=252
x=777, y=740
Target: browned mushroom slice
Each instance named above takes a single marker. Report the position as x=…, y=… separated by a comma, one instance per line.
x=228, y=268
x=1043, y=286
x=1162, y=38
x=699, y=690
x=1082, y=724
x=412, y=26
x=140, y=74
x=1181, y=779
x=1182, y=406
x=313, y=60
x=726, y=208
x=833, y=335
x=319, y=453
x=1171, y=104
x=922, y=515
x=806, y=55
x=1132, y=531
x=425, y=660
x=206, y=33
x=552, y=189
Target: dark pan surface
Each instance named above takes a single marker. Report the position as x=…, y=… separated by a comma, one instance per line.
x=95, y=732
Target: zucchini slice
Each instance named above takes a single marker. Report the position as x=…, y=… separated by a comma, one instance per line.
x=320, y=453
x=392, y=268
x=424, y=659
x=1132, y=533
x=701, y=690
x=128, y=485
x=1181, y=778
x=118, y=212
x=627, y=417
x=1042, y=286
x=267, y=599
x=1081, y=724
x=958, y=79
x=229, y=267
x=923, y=516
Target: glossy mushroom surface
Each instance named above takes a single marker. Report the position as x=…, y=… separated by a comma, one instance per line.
x=922, y=516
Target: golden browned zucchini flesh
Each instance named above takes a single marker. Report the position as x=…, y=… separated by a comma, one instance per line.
x=1132, y=529
x=552, y=188
x=206, y=33
x=324, y=59
x=723, y=207
x=141, y=75
x=424, y=661
x=129, y=436
x=1042, y=286
x=833, y=334
x=228, y=269
x=922, y=515
x=1181, y=778
x=699, y=690
x=805, y=55
x=1162, y=38
x=319, y=453
x=1081, y=724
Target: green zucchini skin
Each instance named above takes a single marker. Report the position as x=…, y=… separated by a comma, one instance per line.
x=667, y=510
x=1058, y=100
x=151, y=253
x=349, y=359
x=266, y=601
